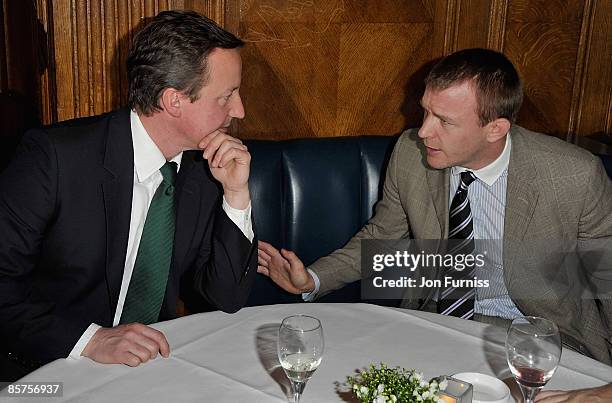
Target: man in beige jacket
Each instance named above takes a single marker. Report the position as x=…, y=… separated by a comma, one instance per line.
x=532, y=193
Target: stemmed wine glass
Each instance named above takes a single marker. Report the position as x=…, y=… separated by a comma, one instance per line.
x=533, y=349
x=300, y=349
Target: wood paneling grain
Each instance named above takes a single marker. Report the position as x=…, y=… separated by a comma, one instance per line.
x=497, y=25
x=372, y=84
x=545, y=55
x=548, y=11
x=328, y=68
x=472, y=24
x=91, y=40
x=344, y=67
x=594, y=109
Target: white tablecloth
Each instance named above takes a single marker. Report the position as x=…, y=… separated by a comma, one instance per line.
x=217, y=357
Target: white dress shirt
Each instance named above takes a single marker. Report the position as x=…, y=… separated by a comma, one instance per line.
x=487, y=196
x=148, y=159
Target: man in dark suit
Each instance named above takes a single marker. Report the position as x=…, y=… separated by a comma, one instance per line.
x=98, y=228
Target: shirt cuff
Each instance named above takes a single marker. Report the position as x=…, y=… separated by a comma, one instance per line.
x=309, y=296
x=80, y=345
x=242, y=218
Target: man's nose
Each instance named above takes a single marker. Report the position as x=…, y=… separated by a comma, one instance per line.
x=425, y=129
x=237, y=110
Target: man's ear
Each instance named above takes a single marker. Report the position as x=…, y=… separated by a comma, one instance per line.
x=497, y=129
x=170, y=101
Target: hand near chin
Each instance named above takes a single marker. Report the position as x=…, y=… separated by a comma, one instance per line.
x=132, y=344
x=229, y=161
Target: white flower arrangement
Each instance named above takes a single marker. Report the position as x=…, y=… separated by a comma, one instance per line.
x=394, y=385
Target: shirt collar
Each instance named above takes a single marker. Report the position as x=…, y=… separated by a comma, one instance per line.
x=494, y=170
x=148, y=159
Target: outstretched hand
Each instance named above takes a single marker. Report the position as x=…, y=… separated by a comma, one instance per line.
x=284, y=268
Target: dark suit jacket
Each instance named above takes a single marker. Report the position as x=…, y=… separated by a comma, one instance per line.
x=65, y=204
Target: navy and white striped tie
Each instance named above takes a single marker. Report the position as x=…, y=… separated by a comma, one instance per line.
x=459, y=301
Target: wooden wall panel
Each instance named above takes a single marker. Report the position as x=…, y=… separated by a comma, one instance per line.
x=473, y=19
x=369, y=82
x=332, y=68
x=339, y=67
x=542, y=40
x=90, y=40
x=594, y=100
x=545, y=55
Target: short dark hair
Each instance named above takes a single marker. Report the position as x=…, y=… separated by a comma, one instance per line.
x=171, y=52
x=499, y=91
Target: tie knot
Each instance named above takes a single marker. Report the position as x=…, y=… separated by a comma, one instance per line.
x=168, y=171
x=467, y=177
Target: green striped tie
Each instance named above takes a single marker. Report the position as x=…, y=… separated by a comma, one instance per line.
x=148, y=284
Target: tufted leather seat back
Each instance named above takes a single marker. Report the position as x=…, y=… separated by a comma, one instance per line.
x=312, y=196
x=607, y=162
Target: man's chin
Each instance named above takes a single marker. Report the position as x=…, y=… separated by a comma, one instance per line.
x=436, y=163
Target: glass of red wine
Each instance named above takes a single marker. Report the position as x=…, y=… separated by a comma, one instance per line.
x=533, y=350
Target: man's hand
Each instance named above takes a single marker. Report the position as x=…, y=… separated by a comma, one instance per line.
x=229, y=161
x=284, y=268
x=130, y=344
x=592, y=395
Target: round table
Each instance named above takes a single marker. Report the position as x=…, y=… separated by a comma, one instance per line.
x=232, y=357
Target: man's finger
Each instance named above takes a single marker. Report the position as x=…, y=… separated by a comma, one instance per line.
x=130, y=359
x=548, y=393
x=223, y=149
x=215, y=143
x=291, y=257
x=552, y=396
x=262, y=254
x=223, y=159
x=138, y=349
x=206, y=140
x=263, y=270
x=267, y=248
x=159, y=338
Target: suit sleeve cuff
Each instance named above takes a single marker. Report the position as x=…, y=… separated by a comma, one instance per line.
x=242, y=219
x=80, y=345
x=309, y=296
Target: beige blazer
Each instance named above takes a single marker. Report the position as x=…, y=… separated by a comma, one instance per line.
x=557, y=195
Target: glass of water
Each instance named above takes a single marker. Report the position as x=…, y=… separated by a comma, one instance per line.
x=300, y=349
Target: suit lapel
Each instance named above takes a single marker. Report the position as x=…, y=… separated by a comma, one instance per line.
x=521, y=199
x=438, y=184
x=188, y=208
x=117, y=191
x=522, y=192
